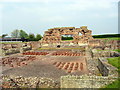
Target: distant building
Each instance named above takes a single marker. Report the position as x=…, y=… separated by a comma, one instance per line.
x=13, y=39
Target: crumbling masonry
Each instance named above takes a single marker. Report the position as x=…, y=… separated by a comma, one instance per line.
x=54, y=35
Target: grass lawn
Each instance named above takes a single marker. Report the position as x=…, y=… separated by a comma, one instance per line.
x=110, y=38
x=68, y=40
x=115, y=62
x=115, y=84
x=118, y=50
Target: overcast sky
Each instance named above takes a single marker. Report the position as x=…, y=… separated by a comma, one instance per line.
x=36, y=16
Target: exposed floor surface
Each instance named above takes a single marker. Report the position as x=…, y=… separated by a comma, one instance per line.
x=43, y=67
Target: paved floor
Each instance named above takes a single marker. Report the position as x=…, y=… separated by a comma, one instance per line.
x=43, y=67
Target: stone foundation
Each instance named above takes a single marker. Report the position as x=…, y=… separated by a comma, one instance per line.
x=85, y=81
x=8, y=49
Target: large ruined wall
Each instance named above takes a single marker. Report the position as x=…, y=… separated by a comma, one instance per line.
x=54, y=35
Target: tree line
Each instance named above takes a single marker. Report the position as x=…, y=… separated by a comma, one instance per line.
x=22, y=34
x=106, y=36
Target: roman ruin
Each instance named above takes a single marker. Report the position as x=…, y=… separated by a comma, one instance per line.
x=54, y=35
x=58, y=61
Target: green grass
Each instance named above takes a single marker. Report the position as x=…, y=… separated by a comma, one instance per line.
x=110, y=38
x=115, y=84
x=115, y=62
x=68, y=40
x=106, y=35
x=118, y=50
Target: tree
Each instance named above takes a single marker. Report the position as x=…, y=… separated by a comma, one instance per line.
x=31, y=37
x=15, y=33
x=19, y=34
x=23, y=34
x=38, y=37
x=4, y=35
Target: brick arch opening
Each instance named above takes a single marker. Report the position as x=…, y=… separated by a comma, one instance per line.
x=80, y=34
x=54, y=34
x=67, y=37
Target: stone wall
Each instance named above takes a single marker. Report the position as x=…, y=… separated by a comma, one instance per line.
x=28, y=82
x=112, y=44
x=92, y=67
x=106, y=53
x=85, y=81
x=95, y=42
x=104, y=44
x=105, y=68
x=7, y=49
x=54, y=35
x=35, y=44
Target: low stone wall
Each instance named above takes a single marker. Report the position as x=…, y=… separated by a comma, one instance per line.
x=35, y=44
x=108, y=53
x=105, y=68
x=11, y=51
x=7, y=49
x=95, y=42
x=104, y=44
x=85, y=81
x=28, y=82
x=112, y=44
x=102, y=68
x=25, y=49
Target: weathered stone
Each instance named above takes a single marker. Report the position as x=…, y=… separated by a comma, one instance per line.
x=54, y=35
x=28, y=82
x=85, y=81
